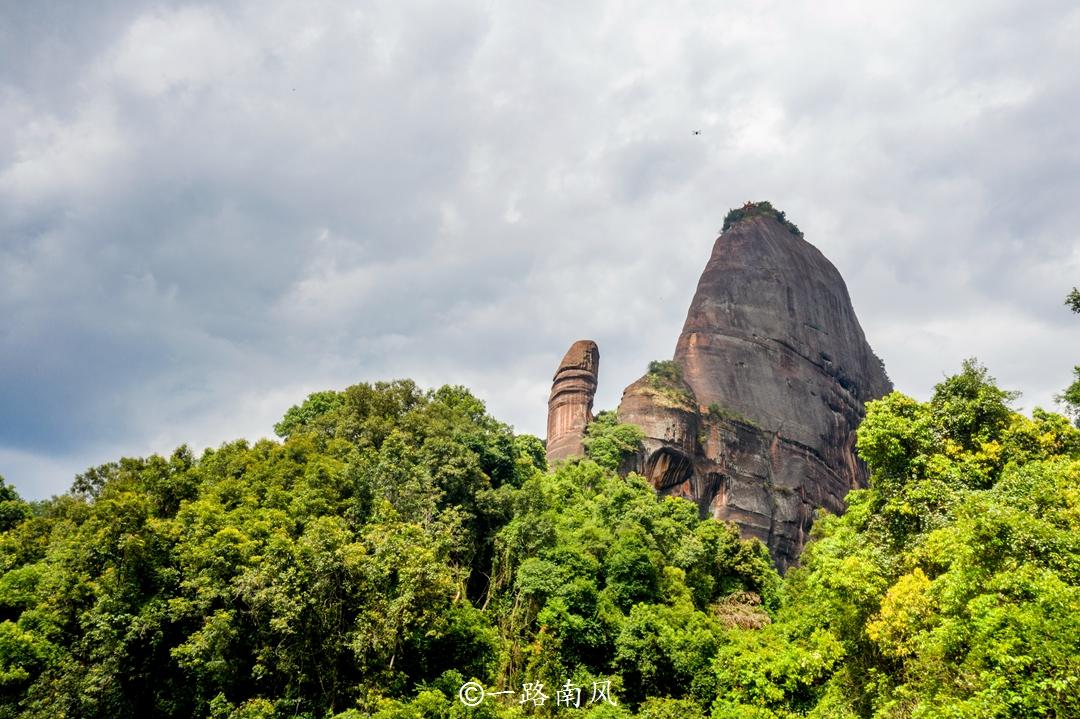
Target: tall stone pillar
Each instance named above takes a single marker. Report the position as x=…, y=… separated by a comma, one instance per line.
x=570, y=405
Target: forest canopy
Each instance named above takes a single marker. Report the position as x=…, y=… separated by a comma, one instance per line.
x=398, y=543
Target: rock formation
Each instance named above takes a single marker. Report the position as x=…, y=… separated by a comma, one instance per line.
x=755, y=418
x=570, y=405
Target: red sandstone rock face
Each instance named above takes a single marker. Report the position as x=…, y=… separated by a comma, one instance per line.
x=778, y=370
x=570, y=405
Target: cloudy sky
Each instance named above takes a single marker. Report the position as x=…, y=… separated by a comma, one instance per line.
x=209, y=210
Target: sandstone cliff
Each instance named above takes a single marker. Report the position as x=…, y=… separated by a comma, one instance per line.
x=755, y=419
x=571, y=401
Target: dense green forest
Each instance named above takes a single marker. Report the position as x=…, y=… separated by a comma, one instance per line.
x=399, y=543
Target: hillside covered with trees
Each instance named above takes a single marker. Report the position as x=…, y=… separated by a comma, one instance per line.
x=397, y=544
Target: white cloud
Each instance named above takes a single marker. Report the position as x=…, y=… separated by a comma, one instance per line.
x=63, y=160
x=208, y=211
x=186, y=48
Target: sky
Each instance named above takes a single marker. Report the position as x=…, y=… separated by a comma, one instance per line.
x=208, y=211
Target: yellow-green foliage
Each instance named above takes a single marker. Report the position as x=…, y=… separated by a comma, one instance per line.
x=950, y=588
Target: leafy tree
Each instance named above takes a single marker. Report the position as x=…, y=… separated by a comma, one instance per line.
x=396, y=543
x=1072, y=300
x=1071, y=397
x=969, y=409
x=400, y=542
x=307, y=416
x=609, y=443
x=13, y=510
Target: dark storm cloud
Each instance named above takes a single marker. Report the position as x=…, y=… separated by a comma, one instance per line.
x=207, y=211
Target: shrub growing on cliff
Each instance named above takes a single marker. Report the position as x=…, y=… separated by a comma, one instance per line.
x=665, y=371
x=666, y=379
x=609, y=443
x=718, y=412
x=759, y=209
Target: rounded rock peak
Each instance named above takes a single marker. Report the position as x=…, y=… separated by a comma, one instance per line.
x=582, y=355
x=754, y=418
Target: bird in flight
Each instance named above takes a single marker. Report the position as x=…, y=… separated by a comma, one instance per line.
x=697, y=132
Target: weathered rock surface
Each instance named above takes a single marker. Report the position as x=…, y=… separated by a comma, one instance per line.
x=775, y=371
x=570, y=405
